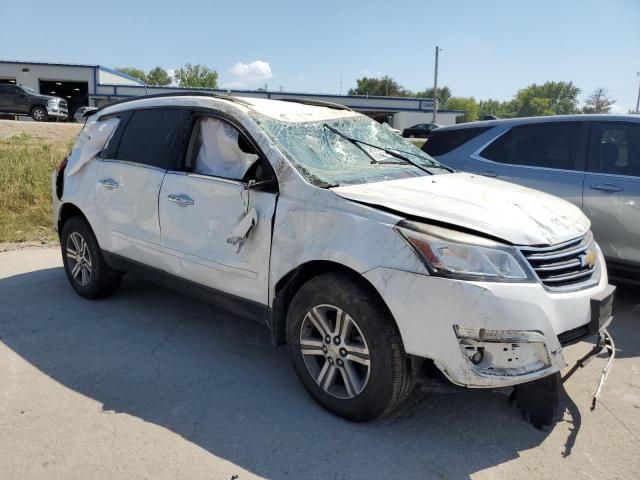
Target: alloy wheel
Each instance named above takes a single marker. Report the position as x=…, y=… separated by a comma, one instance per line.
x=38, y=114
x=79, y=259
x=335, y=351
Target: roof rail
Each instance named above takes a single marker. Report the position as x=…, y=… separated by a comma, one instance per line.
x=190, y=93
x=315, y=103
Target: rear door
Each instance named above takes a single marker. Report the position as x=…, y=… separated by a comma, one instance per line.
x=612, y=189
x=548, y=156
x=17, y=100
x=216, y=229
x=129, y=180
x=4, y=98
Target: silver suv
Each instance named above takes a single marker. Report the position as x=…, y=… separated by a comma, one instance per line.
x=373, y=262
x=593, y=161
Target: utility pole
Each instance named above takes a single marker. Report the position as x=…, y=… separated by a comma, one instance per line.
x=638, y=101
x=435, y=87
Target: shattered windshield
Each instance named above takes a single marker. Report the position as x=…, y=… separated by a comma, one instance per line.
x=347, y=151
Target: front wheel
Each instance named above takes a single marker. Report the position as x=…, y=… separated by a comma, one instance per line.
x=346, y=348
x=39, y=114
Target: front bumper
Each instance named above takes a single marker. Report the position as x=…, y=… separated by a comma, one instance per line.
x=57, y=113
x=520, y=324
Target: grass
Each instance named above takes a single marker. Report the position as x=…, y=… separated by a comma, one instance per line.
x=26, y=164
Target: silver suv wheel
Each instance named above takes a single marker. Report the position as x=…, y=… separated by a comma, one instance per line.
x=79, y=259
x=335, y=351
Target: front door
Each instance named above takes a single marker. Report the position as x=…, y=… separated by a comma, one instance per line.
x=216, y=229
x=612, y=189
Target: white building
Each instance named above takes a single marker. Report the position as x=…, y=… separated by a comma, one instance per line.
x=96, y=85
x=75, y=83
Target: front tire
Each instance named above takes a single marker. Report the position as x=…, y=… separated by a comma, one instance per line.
x=39, y=114
x=84, y=265
x=346, y=348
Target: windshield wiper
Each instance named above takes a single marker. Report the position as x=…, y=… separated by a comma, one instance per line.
x=392, y=153
x=355, y=142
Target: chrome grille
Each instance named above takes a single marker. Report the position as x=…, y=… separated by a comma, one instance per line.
x=564, y=266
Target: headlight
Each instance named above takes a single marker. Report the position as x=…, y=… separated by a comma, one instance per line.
x=448, y=253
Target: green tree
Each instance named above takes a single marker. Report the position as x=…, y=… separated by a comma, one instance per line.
x=444, y=94
x=197, y=76
x=493, y=107
x=133, y=72
x=158, y=76
x=468, y=104
x=598, y=102
x=550, y=98
x=381, y=87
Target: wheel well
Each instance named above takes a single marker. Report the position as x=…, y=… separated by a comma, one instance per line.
x=67, y=211
x=287, y=286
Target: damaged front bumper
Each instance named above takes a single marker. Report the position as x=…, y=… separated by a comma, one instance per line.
x=489, y=334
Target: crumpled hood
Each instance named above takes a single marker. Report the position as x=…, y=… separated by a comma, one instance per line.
x=517, y=214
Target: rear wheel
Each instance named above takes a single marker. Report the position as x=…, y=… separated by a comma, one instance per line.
x=83, y=263
x=346, y=348
x=39, y=114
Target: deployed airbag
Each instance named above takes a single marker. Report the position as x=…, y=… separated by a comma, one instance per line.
x=221, y=154
x=90, y=143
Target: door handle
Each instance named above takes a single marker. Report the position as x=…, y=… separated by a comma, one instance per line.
x=180, y=199
x=607, y=187
x=489, y=173
x=109, y=183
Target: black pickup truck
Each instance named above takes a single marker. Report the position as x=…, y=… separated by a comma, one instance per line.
x=21, y=100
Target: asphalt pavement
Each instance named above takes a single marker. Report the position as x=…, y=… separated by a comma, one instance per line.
x=154, y=384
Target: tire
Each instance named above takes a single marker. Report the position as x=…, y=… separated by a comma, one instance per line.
x=538, y=401
x=83, y=262
x=39, y=114
x=365, y=374
x=412, y=136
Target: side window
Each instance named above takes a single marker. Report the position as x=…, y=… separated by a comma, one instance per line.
x=550, y=145
x=219, y=149
x=441, y=142
x=150, y=136
x=615, y=148
x=3, y=89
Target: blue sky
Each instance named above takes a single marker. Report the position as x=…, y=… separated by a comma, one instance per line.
x=490, y=48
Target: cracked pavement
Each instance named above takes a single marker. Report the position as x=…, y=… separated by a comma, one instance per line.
x=154, y=384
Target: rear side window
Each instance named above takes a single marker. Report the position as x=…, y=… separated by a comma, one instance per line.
x=615, y=148
x=150, y=136
x=441, y=142
x=549, y=145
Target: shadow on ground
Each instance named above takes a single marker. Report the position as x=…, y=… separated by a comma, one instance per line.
x=218, y=382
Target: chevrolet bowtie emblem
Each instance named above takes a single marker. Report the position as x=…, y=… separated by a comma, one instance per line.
x=588, y=259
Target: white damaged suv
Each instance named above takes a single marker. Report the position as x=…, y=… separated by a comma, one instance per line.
x=372, y=261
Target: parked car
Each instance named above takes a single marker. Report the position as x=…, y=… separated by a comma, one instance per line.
x=79, y=115
x=421, y=130
x=372, y=261
x=21, y=100
x=592, y=161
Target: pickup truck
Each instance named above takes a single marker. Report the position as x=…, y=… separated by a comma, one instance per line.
x=21, y=100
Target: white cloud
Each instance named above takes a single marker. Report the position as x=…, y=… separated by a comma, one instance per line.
x=617, y=109
x=172, y=74
x=368, y=73
x=248, y=73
